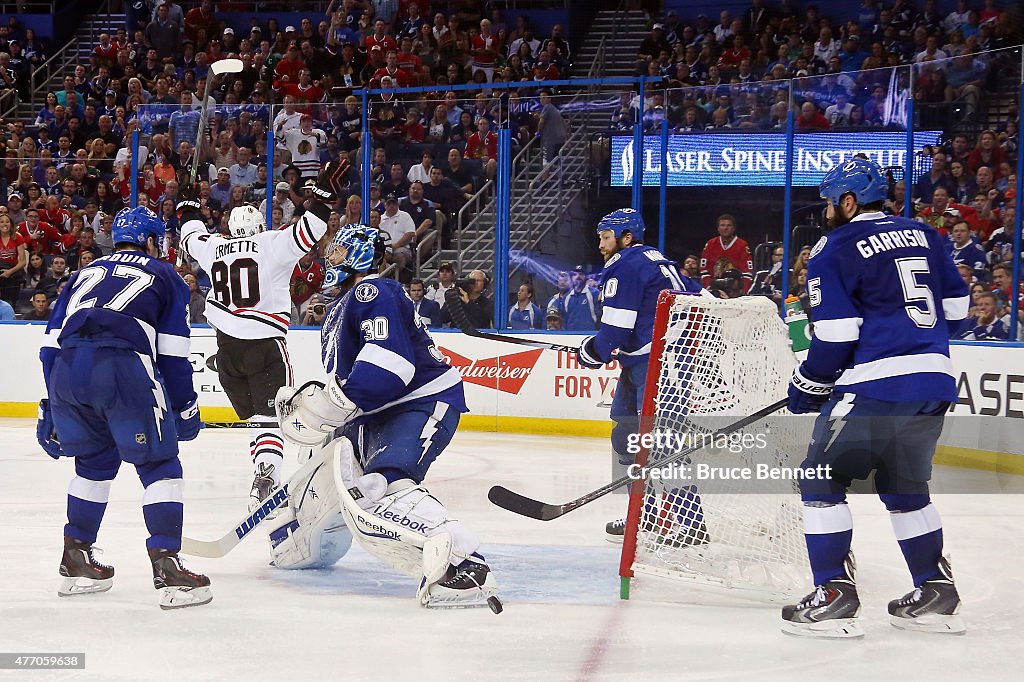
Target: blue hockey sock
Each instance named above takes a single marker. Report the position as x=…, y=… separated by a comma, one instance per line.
x=919, y=534
x=87, y=500
x=163, y=510
x=828, y=531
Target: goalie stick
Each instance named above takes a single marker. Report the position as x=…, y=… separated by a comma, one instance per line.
x=525, y=506
x=214, y=549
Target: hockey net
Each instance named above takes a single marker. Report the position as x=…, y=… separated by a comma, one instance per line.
x=713, y=362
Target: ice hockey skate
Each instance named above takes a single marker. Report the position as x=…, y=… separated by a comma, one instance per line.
x=264, y=484
x=82, y=573
x=932, y=607
x=830, y=611
x=179, y=587
x=470, y=584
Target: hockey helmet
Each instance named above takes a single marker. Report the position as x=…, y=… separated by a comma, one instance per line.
x=245, y=221
x=623, y=220
x=365, y=249
x=864, y=178
x=135, y=226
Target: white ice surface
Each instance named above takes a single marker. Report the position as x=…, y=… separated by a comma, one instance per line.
x=562, y=621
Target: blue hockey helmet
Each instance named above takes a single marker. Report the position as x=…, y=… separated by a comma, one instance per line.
x=365, y=248
x=623, y=220
x=135, y=226
x=863, y=178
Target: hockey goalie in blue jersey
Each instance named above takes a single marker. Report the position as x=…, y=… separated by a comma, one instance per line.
x=390, y=406
x=634, y=275
x=115, y=362
x=884, y=297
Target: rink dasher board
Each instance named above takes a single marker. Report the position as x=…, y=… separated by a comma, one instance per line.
x=512, y=389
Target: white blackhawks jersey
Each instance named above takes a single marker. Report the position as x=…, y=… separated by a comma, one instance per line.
x=249, y=297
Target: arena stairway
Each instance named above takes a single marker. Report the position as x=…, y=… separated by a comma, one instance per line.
x=49, y=77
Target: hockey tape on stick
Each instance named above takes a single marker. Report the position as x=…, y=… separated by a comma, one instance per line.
x=457, y=311
x=535, y=509
x=214, y=549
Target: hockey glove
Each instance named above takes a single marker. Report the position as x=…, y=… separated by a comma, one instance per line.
x=188, y=209
x=46, y=434
x=187, y=423
x=331, y=182
x=308, y=415
x=586, y=354
x=807, y=393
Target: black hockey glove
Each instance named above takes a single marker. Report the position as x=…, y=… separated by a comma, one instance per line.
x=331, y=182
x=188, y=209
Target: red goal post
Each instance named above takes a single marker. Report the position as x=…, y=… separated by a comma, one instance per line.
x=713, y=359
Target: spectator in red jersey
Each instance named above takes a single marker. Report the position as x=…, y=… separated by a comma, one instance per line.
x=106, y=52
x=42, y=238
x=987, y=153
x=13, y=260
x=810, y=118
x=485, y=48
x=307, y=278
x=305, y=91
x=287, y=70
x=943, y=213
x=86, y=244
x=727, y=245
x=201, y=17
x=544, y=70
x=483, y=146
x=401, y=78
x=379, y=38
x=409, y=62
x=732, y=57
x=55, y=215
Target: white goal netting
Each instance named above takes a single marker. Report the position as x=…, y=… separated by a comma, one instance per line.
x=708, y=525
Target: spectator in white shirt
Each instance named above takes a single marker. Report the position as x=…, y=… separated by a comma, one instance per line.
x=401, y=228
x=421, y=171
x=957, y=18
x=243, y=172
x=282, y=200
x=825, y=47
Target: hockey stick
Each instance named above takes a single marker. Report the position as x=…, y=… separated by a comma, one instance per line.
x=525, y=506
x=457, y=311
x=214, y=549
x=219, y=67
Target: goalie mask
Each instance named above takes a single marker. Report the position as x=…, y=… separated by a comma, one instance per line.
x=245, y=221
x=355, y=250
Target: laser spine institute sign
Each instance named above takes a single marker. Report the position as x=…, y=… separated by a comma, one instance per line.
x=696, y=160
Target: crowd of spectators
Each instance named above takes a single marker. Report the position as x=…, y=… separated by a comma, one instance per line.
x=736, y=72
x=67, y=171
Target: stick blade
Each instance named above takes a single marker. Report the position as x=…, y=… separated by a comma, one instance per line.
x=524, y=506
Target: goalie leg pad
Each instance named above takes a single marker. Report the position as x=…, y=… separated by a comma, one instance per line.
x=401, y=524
x=311, y=532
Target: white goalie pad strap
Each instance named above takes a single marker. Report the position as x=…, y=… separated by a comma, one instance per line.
x=312, y=412
x=403, y=525
x=311, y=532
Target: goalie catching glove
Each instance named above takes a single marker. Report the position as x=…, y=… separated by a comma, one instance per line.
x=308, y=415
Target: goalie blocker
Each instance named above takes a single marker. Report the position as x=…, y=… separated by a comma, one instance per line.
x=401, y=524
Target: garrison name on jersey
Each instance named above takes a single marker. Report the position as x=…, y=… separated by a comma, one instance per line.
x=884, y=296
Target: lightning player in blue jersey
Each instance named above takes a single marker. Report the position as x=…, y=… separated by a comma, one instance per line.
x=884, y=296
x=633, y=277
x=392, y=395
x=115, y=362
